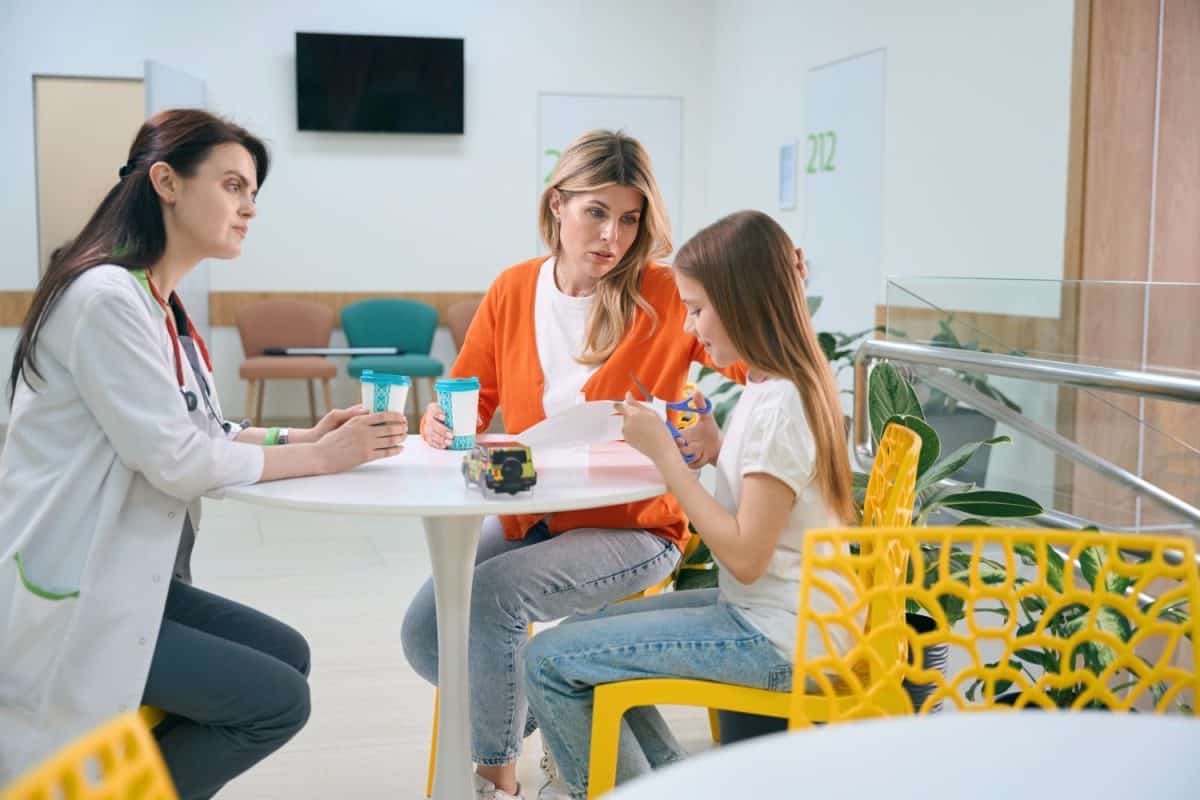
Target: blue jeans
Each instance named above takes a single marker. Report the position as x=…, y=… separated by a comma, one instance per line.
x=691, y=634
x=538, y=579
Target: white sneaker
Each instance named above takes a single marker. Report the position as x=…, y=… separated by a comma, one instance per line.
x=486, y=790
x=553, y=787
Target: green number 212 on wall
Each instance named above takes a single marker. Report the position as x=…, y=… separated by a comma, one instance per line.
x=824, y=147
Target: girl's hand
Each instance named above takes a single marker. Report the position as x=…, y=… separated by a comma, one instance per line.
x=702, y=440
x=644, y=430
x=330, y=422
x=363, y=438
x=433, y=427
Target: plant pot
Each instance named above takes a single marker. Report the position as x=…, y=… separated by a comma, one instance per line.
x=933, y=657
x=963, y=426
x=736, y=726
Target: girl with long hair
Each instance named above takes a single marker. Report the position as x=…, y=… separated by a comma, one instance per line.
x=782, y=467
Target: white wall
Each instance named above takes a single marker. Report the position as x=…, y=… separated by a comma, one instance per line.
x=976, y=128
x=368, y=212
x=975, y=158
x=976, y=123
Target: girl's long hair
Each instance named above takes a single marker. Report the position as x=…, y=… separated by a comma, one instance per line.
x=747, y=266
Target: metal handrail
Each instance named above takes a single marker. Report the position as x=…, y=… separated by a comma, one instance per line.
x=1125, y=381
x=934, y=358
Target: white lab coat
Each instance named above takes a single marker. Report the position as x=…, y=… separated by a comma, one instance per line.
x=100, y=466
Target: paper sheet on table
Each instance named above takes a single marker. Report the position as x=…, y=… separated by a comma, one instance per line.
x=583, y=424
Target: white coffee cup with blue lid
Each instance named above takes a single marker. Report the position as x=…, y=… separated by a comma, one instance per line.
x=384, y=392
x=459, y=399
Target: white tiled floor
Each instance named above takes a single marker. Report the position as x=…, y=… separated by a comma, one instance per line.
x=344, y=581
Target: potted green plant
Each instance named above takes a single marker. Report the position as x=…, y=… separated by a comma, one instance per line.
x=891, y=399
x=1094, y=656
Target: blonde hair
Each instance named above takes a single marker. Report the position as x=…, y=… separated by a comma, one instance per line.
x=747, y=266
x=593, y=161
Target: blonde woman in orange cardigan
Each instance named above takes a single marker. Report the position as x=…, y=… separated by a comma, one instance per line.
x=550, y=331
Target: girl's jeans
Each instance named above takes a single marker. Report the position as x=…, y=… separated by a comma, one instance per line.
x=690, y=634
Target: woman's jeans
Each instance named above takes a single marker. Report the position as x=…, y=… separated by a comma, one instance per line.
x=232, y=681
x=537, y=579
x=690, y=634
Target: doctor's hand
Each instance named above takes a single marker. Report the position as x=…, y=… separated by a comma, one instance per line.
x=330, y=422
x=363, y=438
x=433, y=427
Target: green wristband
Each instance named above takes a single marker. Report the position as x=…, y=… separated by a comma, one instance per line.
x=272, y=437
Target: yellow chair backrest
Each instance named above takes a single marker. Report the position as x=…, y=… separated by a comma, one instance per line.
x=1033, y=633
x=117, y=761
x=891, y=492
x=890, y=489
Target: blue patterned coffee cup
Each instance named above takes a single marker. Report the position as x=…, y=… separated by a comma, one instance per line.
x=459, y=399
x=384, y=392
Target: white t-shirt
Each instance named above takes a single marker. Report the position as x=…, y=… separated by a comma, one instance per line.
x=768, y=433
x=559, y=325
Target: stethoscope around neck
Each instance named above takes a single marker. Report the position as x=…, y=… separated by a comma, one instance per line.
x=174, y=313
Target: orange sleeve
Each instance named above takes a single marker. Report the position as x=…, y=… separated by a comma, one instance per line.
x=477, y=359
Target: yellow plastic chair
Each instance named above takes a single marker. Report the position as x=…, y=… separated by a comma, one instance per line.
x=151, y=716
x=657, y=588
x=1109, y=639
x=889, y=500
x=117, y=761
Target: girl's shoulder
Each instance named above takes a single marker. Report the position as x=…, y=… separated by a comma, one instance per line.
x=776, y=394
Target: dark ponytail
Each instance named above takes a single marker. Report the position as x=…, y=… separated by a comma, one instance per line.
x=127, y=228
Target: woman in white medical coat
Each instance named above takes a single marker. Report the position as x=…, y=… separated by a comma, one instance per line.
x=115, y=433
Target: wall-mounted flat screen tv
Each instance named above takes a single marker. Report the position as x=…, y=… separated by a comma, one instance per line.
x=398, y=84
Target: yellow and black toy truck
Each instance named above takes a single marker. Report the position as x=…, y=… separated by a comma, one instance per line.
x=500, y=468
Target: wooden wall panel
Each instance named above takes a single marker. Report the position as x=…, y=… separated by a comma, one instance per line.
x=13, y=307
x=223, y=305
x=1171, y=460
x=1123, y=42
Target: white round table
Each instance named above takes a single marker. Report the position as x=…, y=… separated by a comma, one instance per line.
x=425, y=482
x=984, y=756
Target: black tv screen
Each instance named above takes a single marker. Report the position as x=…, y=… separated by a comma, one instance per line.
x=400, y=84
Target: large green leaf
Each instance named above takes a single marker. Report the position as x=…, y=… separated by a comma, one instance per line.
x=1091, y=563
x=721, y=410
x=814, y=303
x=1054, y=565
x=1112, y=621
x=828, y=344
x=858, y=484
x=987, y=503
x=696, y=579
x=701, y=555
x=931, y=445
x=889, y=396
x=955, y=461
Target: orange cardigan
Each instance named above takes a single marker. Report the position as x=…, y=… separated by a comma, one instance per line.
x=501, y=350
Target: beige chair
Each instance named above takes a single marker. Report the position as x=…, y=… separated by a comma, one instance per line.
x=284, y=323
x=458, y=319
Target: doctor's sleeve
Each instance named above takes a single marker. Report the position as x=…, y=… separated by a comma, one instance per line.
x=134, y=394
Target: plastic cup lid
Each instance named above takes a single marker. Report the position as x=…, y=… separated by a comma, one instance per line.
x=370, y=376
x=456, y=384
